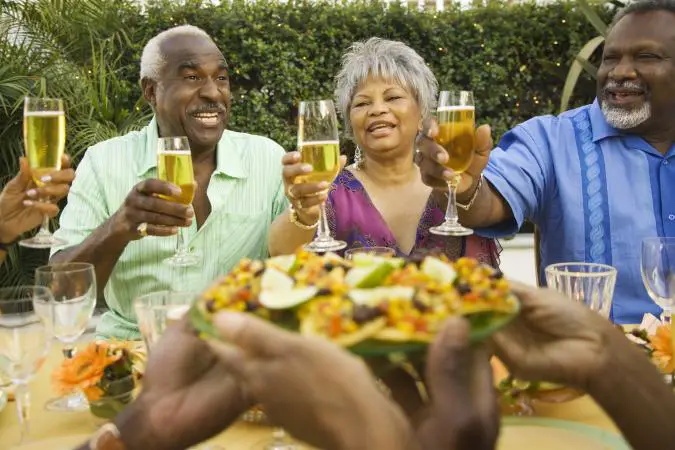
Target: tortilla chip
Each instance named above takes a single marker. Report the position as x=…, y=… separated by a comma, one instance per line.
x=308, y=327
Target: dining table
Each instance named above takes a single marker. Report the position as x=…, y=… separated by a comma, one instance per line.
x=67, y=430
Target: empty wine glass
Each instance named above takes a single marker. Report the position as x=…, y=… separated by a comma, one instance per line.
x=73, y=287
x=24, y=342
x=157, y=310
x=657, y=264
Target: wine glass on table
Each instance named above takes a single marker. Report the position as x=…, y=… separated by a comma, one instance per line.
x=457, y=135
x=73, y=288
x=657, y=265
x=157, y=310
x=319, y=147
x=174, y=164
x=24, y=342
x=44, y=138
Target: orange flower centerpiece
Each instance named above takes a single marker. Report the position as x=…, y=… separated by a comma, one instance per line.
x=104, y=372
x=659, y=347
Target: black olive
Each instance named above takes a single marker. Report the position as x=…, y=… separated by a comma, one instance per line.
x=463, y=287
x=259, y=272
x=211, y=305
x=324, y=291
x=364, y=314
x=497, y=275
x=421, y=307
x=250, y=306
x=329, y=266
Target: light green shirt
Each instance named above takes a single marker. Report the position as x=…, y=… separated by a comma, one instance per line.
x=246, y=193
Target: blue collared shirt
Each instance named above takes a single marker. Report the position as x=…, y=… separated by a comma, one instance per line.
x=593, y=191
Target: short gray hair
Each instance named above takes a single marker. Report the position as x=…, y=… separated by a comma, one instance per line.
x=644, y=6
x=388, y=59
x=153, y=60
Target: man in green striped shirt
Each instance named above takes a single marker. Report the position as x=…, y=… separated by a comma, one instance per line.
x=114, y=218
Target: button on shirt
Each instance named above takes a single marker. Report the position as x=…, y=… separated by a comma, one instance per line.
x=593, y=191
x=246, y=193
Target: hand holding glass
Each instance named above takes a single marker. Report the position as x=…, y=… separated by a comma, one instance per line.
x=174, y=165
x=457, y=135
x=44, y=138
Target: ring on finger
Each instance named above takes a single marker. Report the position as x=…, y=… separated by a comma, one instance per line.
x=290, y=194
x=142, y=229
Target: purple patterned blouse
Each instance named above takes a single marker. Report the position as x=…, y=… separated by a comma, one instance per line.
x=353, y=218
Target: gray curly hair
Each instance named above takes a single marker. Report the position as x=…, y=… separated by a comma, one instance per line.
x=388, y=59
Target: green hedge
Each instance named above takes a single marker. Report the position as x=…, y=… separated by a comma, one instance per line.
x=514, y=58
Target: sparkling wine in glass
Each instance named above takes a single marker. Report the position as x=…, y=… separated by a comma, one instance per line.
x=174, y=165
x=319, y=146
x=457, y=135
x=24, y=342
x=44, y=138
x=73, y=287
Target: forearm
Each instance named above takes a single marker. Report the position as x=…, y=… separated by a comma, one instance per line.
x=102, y=248
x=489, y=207
x=285, y=237
x=635, y=396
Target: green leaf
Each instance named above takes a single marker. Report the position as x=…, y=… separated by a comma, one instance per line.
x=593, y=17
x=576, y=69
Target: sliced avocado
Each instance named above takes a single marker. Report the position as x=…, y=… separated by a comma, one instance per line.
x=283, y=262
x=287, y=299
x=438, y=270
x=368, y=277
x=275, y=280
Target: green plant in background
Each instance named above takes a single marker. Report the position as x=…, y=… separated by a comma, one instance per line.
x=514, y=58
x=582, y=61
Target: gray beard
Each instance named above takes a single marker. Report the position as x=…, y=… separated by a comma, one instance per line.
x=624, y=119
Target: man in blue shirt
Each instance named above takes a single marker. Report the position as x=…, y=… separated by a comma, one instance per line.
x=595, y=180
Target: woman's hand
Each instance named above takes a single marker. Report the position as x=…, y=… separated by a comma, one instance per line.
x=305, y=197
x=21, y=205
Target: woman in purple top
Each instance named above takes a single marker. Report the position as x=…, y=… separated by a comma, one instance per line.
x=385, y=92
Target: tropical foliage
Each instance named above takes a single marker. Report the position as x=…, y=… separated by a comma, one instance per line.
x=514, y=57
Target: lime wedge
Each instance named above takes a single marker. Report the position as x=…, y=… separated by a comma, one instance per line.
x=372, y=297
x=287, y=299
x=368, y=277
x=275, y=280
x=438, y=270
x=283, y=262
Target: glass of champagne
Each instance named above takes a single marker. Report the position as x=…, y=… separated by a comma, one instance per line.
x=657, y=266
x=24, y=342
x=457, y=135
x=174, y=164
x=319, y=146
x=44, y=138
x=72, y=303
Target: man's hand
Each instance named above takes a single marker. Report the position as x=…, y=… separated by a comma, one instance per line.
x=431, y=159
x=22, y=205
x=188, y=395
x=313, y=389
x=144, y=205
x=305, y=197
x=464, y=414
x=553, y=339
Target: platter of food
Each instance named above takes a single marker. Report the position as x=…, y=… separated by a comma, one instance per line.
x=371, y=304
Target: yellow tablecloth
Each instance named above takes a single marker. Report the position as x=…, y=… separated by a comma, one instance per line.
x=63, y=431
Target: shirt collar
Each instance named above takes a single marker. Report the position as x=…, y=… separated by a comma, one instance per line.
x=601, y=129
x=228, y=157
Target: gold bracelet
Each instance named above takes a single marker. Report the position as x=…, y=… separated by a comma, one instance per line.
x=466, y=206
x=293, y=218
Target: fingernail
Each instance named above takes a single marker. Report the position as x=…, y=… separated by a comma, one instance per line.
x=28, y=203
x=229, y=323
x=32, y=193
x=323, y=185
x=173, y=230
x=190, y=211
x=46, y=179
x=448, y=174
x=306, y=168
x=175, y=190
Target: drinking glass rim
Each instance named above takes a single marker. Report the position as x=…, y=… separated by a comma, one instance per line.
x=555, y=268
x=374, y=249
x=73, y=267
x=666, y=239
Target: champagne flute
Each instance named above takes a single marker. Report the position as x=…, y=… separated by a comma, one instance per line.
x=24, y=342
x=657, y=265
x=44, y=138
x=73, y=288
x=319, y=146
x=174, y=164
x=457, y=135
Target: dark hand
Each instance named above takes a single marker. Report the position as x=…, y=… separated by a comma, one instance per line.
x=432, y=157
x=305, y=197
x=143, y=204
x=464, y=414
x=553, y=339
x=188, y=395
x=313, y=389
x=21, y=208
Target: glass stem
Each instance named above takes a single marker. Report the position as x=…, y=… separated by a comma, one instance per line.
x=44, y=228
x=323, y=233
x=22, y=399
x=68, y=351
x=451, y=211
x=180, y=242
